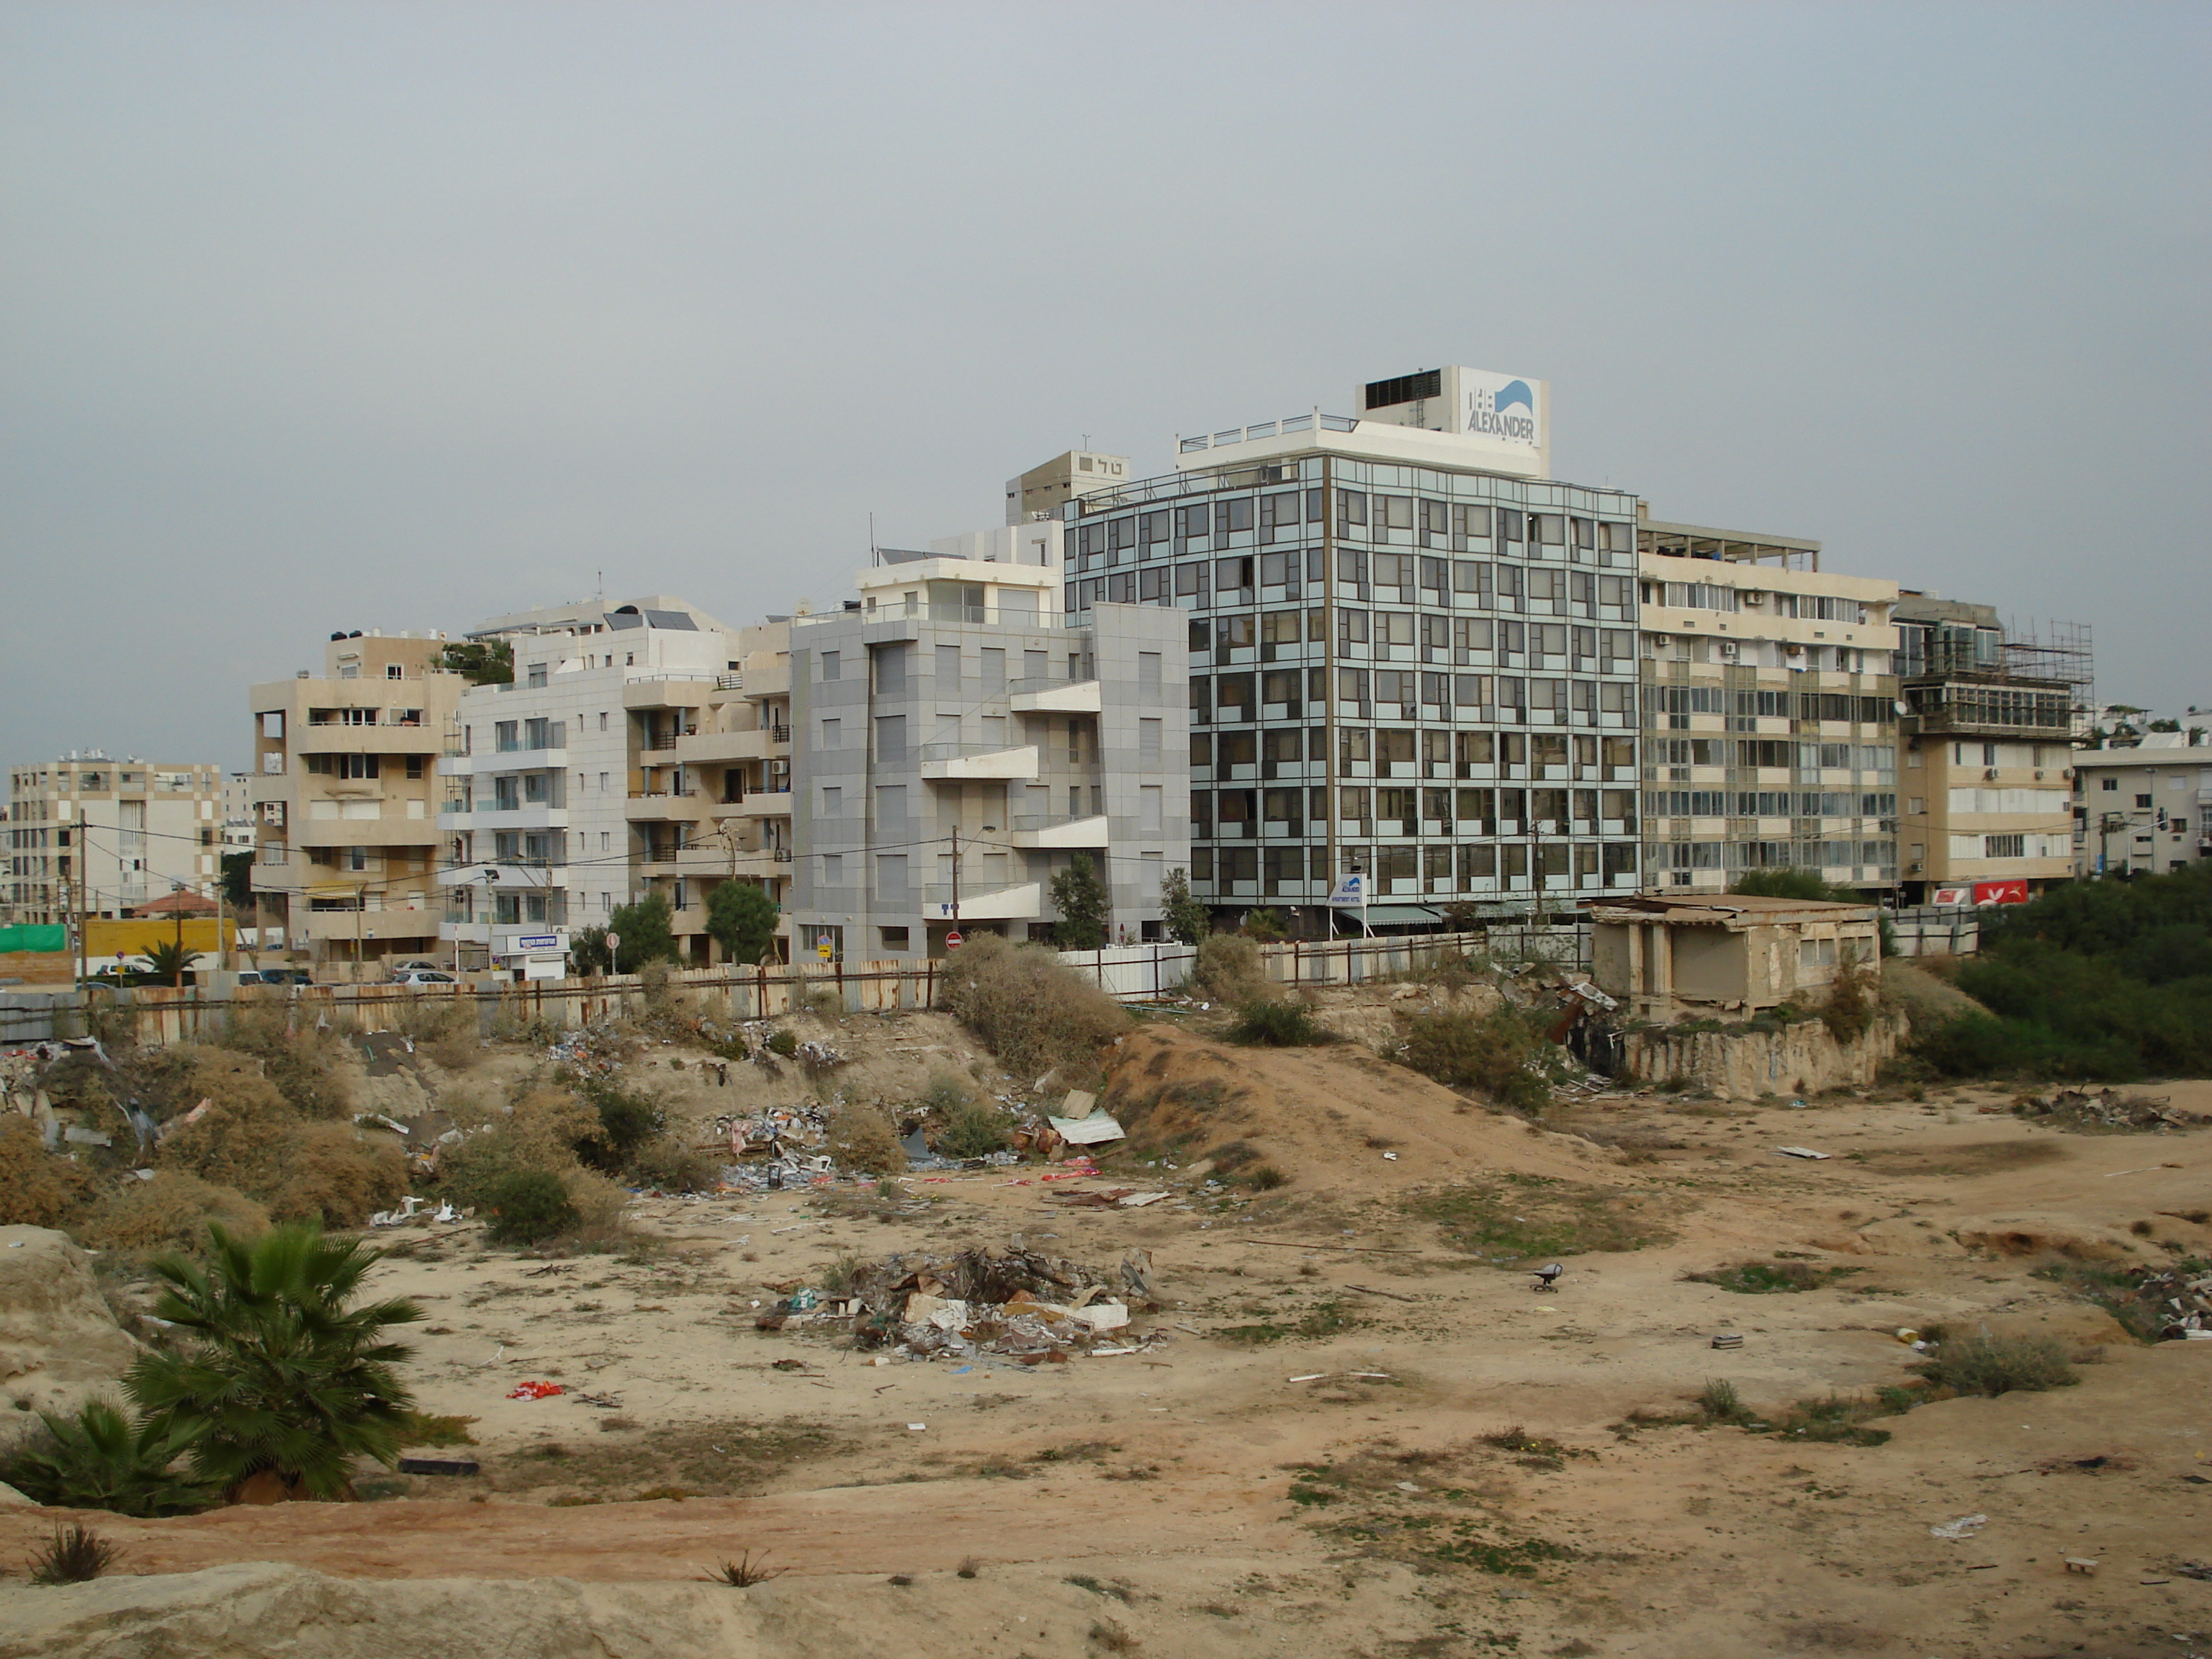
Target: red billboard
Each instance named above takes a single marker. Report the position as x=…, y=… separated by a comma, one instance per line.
x=2013, y=891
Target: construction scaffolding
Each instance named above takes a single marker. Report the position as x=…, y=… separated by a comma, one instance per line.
x=2059, y=651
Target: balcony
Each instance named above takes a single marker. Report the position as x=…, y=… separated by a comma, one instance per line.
x=365, y=832
x=1022, y=903
x=1044, y=696
x=412, y=737
x=391, y=921
x=721, y=747
x=1044, y=830
x=946, y=763
x=504, y=760
x=649, y=805
x=757, y=804
x=669, y=691
x=535, y=815
x=527, y=875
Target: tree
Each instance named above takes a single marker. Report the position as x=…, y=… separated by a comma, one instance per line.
x=587, y=949
x=1188, y=920
x=287, y=1383
x=237, y=879
x=647, y=932
x=741, y=919
x=169, y=959
x=481, y=662
x=1084, y=905
x=1781, y=881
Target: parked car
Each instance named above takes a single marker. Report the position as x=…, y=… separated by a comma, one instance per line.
x=422, y=976
x=274, y=976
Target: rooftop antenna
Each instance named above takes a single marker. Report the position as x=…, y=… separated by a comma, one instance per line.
x=873, y=560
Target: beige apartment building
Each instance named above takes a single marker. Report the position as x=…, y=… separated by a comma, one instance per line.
x=1986, y=773
x=345, y=801
x=641, y=747
x=92, y=835
x=1770, y=712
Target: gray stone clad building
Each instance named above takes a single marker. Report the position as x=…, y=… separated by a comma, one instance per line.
x=1409, y=652
x=959, y=741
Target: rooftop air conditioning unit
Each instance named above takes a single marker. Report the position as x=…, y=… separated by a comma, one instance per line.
x=1727, y=647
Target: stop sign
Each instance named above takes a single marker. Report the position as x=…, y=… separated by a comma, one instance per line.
x=953, y=940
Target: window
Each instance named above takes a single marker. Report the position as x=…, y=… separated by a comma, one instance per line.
x=833, y=801
x=2142, y=801
x=1149, y=799
x=833, y=869
x=537, y=672
x=394, y=671
x=831, y=662
x=891, y=800
x=2004, y=846
x=1148, y=742
x=892, y=938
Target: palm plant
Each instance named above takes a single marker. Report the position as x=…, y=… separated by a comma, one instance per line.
x=99, y=1460
x=168, y=959
x=287, y=1383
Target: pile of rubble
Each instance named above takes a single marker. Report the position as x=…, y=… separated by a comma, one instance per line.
x=2183, y=1304
x=2108, y=1109
x=1034, y=1308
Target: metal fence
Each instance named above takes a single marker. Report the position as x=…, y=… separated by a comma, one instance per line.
x=1138, y=973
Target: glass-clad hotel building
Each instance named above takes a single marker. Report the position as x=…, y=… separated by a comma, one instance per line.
x=1404, y=659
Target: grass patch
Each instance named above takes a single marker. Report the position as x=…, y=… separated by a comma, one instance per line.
x=1770, y=1278
x=423, y=1430
x=1499, y=1053
x=1842, y=1419
x=733, y=1458
x=1514, y=1218
x=74, y=1555
x=1991, y=1365
x=1321, y=1321
x=1278, y=1023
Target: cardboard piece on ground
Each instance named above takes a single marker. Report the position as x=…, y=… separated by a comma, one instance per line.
x=1090, y=1131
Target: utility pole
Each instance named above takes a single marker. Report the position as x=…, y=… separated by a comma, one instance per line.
x=955, y=881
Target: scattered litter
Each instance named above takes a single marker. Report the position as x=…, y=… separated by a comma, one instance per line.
x=437, y=1465
x=1964, y=1526
x=2082, y=1565
x=1407, y=1485
x=1311, y=1376
x=1799, y=1151
x=1729, y=1339
x=916, y=1428
x=1390, y=1157
x=1094, y=1130
x=1369, y=1290
x=535, y=1391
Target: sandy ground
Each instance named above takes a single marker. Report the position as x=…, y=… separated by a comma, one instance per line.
x=1253, y=1493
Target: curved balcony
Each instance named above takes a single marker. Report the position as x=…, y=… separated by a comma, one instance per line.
x=947, y=763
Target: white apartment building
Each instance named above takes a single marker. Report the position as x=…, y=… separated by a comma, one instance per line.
x=342, y=799
x=959, y=743
x=92, y=835
x=641, y=746
x=2142, y=811
x=1769, y=709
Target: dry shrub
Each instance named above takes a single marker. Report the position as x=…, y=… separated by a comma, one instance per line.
x=862, y=1138
x=169, y=1212
x=539, y=1132
x=37, y=1188
x=1492, y=1052
x=307, y=1065
x=602, y=1213
x=1026, y=1008
x=670, y=1162
x=242, y=1139
x=1228, y=969
x=339, y=1173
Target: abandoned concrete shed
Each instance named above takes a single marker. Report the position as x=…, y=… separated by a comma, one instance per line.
x=1666, y=957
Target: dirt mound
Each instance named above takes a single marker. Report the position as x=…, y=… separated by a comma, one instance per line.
x=58, y=1340
x=1324, y=1117
x=2109, y=1111
x=2039, y=1235
x=254, y=1609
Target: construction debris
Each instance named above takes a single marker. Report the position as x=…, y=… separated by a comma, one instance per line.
x=2109, y=1111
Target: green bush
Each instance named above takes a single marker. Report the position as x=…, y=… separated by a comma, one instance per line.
x=1992, y=1365
x=670, y=1163
x=974, y=1130
x=629, y=1120
x=1278, y=1023
x=529, y=1206
x=1497, y=1053
x=100, y=1460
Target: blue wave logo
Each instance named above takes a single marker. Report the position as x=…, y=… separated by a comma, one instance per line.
x=1517, y=392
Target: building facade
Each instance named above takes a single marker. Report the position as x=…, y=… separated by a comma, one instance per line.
x=1985, y=779
x=639, y=747
x=957, y=742
x=1411, y=653
x=1770, y=718
x=343, y=799
x=2142, y=811
x=89, y=836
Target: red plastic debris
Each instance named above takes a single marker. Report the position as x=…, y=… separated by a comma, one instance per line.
x=535, y=1391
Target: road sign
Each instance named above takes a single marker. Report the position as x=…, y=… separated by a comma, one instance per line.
x=953, y=940
x=822, y=948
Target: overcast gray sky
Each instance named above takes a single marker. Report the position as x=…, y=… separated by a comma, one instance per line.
x=388, y=315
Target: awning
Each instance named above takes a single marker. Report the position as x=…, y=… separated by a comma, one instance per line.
x=1382, y=915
